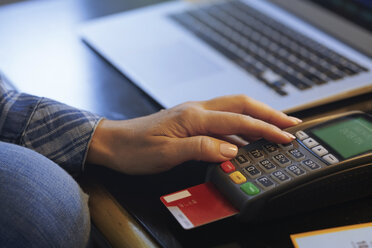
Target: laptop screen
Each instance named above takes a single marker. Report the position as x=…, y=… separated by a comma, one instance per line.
x=356, y=11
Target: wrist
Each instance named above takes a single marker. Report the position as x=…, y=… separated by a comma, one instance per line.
x=99, y=151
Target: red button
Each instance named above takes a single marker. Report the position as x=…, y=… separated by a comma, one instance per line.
x=227, y=167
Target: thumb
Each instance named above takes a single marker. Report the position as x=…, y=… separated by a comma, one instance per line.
x=204, y=148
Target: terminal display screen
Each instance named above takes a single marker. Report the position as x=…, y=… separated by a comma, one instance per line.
x=349, y=137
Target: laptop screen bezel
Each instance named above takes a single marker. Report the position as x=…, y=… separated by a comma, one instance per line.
x=337, y=26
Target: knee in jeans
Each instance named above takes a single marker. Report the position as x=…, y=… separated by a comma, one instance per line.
x=42, y=206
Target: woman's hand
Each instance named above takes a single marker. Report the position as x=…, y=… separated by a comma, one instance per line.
x=203, y=130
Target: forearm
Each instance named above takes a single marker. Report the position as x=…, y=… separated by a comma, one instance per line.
x=55, y=130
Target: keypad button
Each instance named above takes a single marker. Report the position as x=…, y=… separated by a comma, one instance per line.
x=330, y=158
x=281, y=160
x=280, y=176
x=237, y=177
x=265, y=182
x=256, y=154
x=227, y=167
x=301, y=135
x=266, y=165
x=310, y=142
x=319, y=150
x=296, y=154
x=250, y=189
x=252, y=171
x=271, y=147
x=286, y=146
x=311, y=164
x=295, y=170
x=241, y=159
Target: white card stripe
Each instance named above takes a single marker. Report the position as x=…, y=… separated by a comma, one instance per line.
x=177, y=196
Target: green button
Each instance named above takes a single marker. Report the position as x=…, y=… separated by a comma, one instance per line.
x=250, y=189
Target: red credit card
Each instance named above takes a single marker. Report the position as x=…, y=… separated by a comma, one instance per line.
x=198, y=205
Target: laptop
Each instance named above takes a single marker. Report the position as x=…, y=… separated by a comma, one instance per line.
x=291, y=55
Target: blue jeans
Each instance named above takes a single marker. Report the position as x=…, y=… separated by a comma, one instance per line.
x=40, y=204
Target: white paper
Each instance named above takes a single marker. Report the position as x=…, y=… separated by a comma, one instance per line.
x=354, y=236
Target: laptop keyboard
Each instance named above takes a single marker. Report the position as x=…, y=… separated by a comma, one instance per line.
x=271, y=51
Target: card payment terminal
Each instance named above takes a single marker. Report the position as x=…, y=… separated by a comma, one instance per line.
x=329, y=162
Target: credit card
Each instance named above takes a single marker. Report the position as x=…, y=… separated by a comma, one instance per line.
x=198, y=205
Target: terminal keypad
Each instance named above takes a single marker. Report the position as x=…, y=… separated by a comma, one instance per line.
x=265, y=165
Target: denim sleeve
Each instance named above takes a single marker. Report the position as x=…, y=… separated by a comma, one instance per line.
x=55, y=130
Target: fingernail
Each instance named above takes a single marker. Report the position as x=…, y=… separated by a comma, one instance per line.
x=289, y=135
x=295, y=119
x=228, y=150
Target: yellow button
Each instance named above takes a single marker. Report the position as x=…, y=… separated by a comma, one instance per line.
x=237, y=177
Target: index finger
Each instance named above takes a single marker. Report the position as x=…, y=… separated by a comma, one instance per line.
x=226, y=123
x=243, y=104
